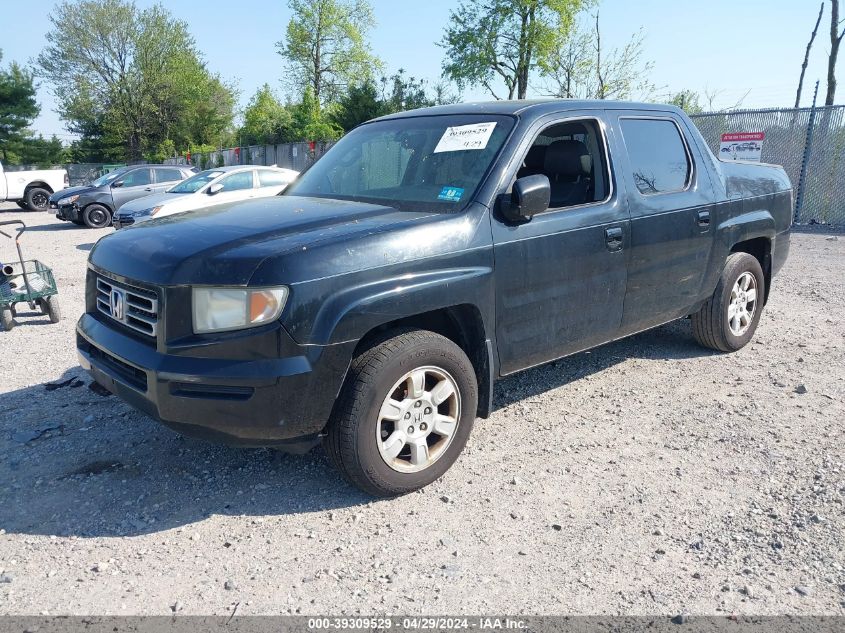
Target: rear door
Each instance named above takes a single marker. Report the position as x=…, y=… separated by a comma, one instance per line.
x=560, y=278
x=670, y=198
x=271, y=182
x=166, y=177
x=134, y=184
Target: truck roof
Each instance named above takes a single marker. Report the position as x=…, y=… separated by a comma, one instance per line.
x=531, y=108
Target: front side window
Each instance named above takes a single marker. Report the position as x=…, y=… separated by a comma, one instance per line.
x=427, y=163
x=571, y=155
x=137, y=178
x=658, y=156
x=237, y=182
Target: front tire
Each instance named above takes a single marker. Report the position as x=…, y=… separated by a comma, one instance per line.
x=404, y=414
x=728, y=320
x=96, y=216
x=37, y=199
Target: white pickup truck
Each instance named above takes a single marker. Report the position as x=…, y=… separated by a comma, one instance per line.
x=31, y=189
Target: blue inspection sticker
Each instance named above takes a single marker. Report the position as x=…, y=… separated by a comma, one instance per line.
x=451, y=194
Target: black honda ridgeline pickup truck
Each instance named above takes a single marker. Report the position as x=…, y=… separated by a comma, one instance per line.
x=374, y=304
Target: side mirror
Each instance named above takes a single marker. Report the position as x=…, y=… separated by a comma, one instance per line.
x=117, y=183
x=530, y=196
x=215, y=188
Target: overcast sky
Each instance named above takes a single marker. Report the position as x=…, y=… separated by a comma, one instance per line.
x=733, y=46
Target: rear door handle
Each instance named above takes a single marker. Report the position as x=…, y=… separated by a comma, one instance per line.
x=148, y=189
x=613, y=237
x=704, y=219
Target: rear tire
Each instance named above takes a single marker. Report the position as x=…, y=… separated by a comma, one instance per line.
x=728, y=320
x=7, y=319
x=404, y=414
x=22, y=204
x=37, y=199
x=96, y=216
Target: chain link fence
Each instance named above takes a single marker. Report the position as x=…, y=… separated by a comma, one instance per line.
x=298, y=156
x=808, y=142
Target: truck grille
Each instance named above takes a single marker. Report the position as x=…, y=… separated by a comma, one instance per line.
x=133, y=307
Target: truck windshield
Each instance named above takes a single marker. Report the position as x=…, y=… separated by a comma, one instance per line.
x=426, y=163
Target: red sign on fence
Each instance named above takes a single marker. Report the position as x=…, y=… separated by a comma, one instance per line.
x=743, y=136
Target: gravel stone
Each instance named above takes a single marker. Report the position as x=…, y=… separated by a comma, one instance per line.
x=646, y=434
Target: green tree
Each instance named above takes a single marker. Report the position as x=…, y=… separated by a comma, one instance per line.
x=266, y=119
x=325, y=46
x=687, y=100
x=18, y=108
x=584, y=68
x=405, y=93
x=42, y=152
x=504, y=40
x=310, y=123
x=127, y=79
x=361, y=103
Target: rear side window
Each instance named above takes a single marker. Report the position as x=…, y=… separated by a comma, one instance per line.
x=270, y=178
x=658, y=155
x=238, y=181
x=169, y=175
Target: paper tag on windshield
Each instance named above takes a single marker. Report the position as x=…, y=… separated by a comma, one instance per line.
x=464, y=137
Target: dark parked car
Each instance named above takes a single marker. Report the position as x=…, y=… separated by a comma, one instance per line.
x=427, y=254
x=94, y=205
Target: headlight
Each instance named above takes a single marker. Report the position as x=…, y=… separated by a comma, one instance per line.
x=145, y=212
x=221, y=309
x=68, y=200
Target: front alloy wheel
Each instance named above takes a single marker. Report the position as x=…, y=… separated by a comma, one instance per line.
x=418, y=419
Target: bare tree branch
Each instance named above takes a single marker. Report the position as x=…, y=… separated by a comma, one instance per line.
x=807, y=56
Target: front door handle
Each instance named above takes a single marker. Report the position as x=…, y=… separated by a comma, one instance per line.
x=148, y=189
x=704, y=219
x=613, y=237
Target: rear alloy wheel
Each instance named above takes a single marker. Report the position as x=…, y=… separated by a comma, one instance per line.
x=404, y=414
x=37, y=199
x=729, y=318
x=96, y=216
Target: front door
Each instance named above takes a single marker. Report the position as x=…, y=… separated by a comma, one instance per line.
x=560, y=278
x=670, y=198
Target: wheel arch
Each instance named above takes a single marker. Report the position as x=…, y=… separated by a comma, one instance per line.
x=37, y=184
x=462, y=324
x=761, y=249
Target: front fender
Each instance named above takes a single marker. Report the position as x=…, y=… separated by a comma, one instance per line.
x=353, y=311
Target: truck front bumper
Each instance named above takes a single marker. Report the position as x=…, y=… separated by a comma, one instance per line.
x=282, y=402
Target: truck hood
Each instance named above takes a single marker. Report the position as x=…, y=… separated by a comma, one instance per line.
x=224, y=245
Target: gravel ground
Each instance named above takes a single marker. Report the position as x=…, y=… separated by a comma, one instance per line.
x=648, y=476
